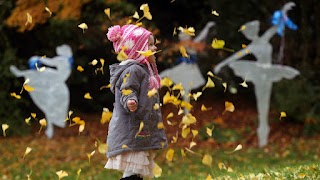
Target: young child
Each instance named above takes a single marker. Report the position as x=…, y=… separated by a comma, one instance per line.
x=134, y=127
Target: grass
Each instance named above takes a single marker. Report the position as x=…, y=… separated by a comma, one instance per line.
x=297, y=160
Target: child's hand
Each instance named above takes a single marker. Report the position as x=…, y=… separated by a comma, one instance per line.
x=132, y=105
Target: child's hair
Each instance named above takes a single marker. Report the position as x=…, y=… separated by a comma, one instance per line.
x=133, y=38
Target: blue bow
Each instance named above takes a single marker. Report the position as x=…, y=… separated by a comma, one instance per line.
x=36, y=60
x=281, y=21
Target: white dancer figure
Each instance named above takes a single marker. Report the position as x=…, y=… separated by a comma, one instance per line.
x=262, y=73
x=51, y=93
x=187, y=72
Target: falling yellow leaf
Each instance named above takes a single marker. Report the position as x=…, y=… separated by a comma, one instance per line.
x=61, y=174
x=87, y=96
x=48, y=10
x=27, y=151
x=219, y=44
x=4, y=128
x=160, y=125
x=196, y=95
x=186, y=105
x=181, y=111
x=43, y=122
x=166, y=82
x=243, y=45
x=192, y=144
x=90, y=155
x=140, y=128
x=152, y=92
x=107, y=12
x=189, y=31
x=157, y=171
x=147, y=53
x=78, y=173
x=188, y=119
x=209, y=177
x=221, y=166
x=27, y=120
x=28, y=88
x=183, y=154
x=122, y=56
x=83, y=26
x=225, y=86
x=29, y=19
x=209, y=131
x=183, y=52
x=15, y=95
x=209, y=73
x=33, y=115
x=29, y=175
x=184, y=132
x=244, y=84
x=229, y=106
x=126, y=92
x=102, y=148
x=203, y=108
x=124, y=146
x=214, y=12
x=81, y=128
x=136, y=15
x=282, y=115
x=80, y=68
x=242, y=28
x=146, y=12
x=169, y=155
x=239, y=147
x=170, y=115
x=209, y=84
x=207, y=160
x=77, y=120
x=93, y=62
x=106, y=116
x=194, y=133
x=107, y=86
x=156, y=106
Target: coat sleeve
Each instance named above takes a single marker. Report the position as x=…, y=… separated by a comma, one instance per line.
x=130, y=86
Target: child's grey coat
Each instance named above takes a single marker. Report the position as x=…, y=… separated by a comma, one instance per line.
x=124, y=125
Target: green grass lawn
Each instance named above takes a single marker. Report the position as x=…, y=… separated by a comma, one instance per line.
x=297, y=160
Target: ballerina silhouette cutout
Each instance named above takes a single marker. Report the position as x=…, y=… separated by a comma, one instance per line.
x=187, y=71
x=262, y=73
x=51, y=93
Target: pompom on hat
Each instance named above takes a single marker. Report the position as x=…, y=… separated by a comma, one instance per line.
x=134, y=38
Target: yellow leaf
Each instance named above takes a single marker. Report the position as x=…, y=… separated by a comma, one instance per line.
x=185, y=131
x=229, y=106
x=188, y=119
x=93, y=62
x=183, y=52
x=106, y=116
x=301, y=175
x=27, y=120
x=4, y=128
x=209, y=177
x=61, y=174
x=189, y=31
x=15, y=95
x=156, y=106
x=80, y=69
x=186, y=105
x=43, y=122
x=124, y=146
x=160, y=125
x=209, y=131
x=48, y=10
x=242, y=28
x=102, y=148
x=170, y=115
x=107, y=86
x=107, y=12
x=225, y=86
x=183, y=154
x=146, y=13
x=157, y=171
x=203, y=108
x=122, y=56
x=152, y=92
x=180, y=111
x=282, y=115
x=244, y=84
x=192, y=143
x=87, y=96
x=207, y=160
x=90, y=155
x=33, y=115
x=243, y=45
x=196, y=95
x=27, y=151
x=209, y=84
x=136, y=15
x=81, y=128
x=126, y=92
x=177, y=87
x=174, y=138
x=194, y=133
x=209, y=73
x=77, y=120
x=78, y=173
x=29, y=19
x=83, y=26
x=170, y=154
x=28, y=88
x=214, y=12
x=222, y=166
x=217, y=44
x=140, y=128
x=147, y=53
x=239, y=147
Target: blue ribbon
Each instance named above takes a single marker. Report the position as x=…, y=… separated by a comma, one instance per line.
x=282, y=21
x=36, y=60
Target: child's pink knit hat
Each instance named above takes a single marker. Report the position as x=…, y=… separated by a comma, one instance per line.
x=134, y=38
